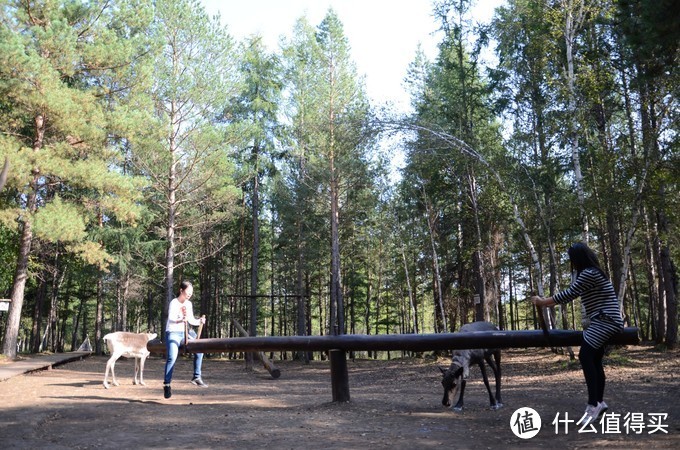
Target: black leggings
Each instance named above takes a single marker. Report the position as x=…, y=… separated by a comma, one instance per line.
x=591, y=362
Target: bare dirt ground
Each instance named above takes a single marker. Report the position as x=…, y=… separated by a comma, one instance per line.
x=394, y=404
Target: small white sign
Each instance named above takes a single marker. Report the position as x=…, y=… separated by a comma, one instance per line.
x=4, y=304
x=525, y=423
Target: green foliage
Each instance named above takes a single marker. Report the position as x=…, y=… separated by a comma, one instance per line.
x=129, y=118
x=8, y=251
x=59, y=221
x=51, y=71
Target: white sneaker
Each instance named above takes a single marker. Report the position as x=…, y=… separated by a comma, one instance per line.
x=602, y=408
x=589, y=416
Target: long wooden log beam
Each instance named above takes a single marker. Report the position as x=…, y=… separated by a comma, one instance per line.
x=408, y=342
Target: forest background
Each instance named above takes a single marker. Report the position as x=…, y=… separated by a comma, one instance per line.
x=142, y=145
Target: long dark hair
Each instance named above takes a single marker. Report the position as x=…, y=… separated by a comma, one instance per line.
x=583, y=257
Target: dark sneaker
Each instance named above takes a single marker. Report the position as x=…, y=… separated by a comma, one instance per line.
x=167, y=391
x=198, y=382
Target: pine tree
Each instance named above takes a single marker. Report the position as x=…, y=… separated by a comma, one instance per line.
x=187, y=159
x=256, y=108
x=341, y=113
x=54, y=126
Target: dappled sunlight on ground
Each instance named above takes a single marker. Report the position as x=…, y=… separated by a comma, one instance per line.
x=394, y=404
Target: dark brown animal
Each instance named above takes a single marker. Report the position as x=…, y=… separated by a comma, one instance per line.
x=455, y=376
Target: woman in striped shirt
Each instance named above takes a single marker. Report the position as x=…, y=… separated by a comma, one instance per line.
x=602, y=308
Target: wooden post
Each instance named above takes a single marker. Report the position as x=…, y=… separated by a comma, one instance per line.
x=266, y=362
x=200, y=328
x=339, y=376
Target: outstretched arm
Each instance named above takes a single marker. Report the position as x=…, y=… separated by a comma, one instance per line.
x=542, y=301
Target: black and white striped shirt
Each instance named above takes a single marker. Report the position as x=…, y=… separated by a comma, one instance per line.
x=596, y=292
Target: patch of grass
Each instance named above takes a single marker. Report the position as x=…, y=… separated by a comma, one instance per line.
x=618, y=359
x=659, y=348
x=568, y=364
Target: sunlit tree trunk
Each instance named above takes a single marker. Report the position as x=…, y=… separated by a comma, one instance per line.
x=9, y=347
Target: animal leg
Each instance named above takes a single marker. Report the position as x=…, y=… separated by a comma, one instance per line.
x=492, y=400
x=141, y=370
x=106, y=374
x=497, y=357
x=110, y=366
x=136, y=371
x=495, y=365
x=459, y=405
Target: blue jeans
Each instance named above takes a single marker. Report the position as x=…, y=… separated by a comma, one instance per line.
x=173, y=339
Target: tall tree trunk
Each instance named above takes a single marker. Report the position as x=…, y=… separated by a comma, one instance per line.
x=436, y=278
x=301, y=309
x=76, y=324
x=481, y=309
x=9, y=347
x=378, y=286
x=119, y=307
x=511, y=299
x=61, y=339
x=4, y=173
x=411, y=299
x=57, y=280
x=171, y=217
x=99, y=316
x=150, y=323
x=272, y=292
x=670, y=281
x=337, y=323
x=650, y=263
x=124, y=301
x=369, y=294
x=38, y=311
x=575, y=14
x=205, y=276
x=661, y=297
x=255, y=256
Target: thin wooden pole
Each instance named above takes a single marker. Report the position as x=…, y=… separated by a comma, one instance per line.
x=266, y=362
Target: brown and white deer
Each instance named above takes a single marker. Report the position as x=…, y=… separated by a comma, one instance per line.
x=455, y=376
x=130, y=345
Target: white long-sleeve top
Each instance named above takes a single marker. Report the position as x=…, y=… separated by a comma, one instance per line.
x=176, y=315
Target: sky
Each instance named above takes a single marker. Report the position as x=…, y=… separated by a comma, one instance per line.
x=383, y=34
